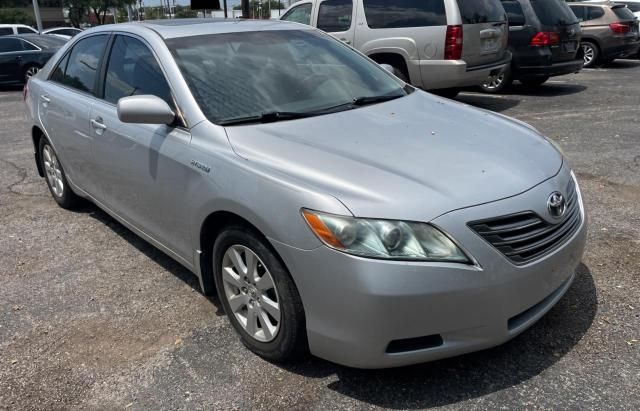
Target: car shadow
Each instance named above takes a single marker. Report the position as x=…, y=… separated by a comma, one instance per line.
x=622, y=64
x=497, y=103
x=11, y=88
x=546, y=89
x=153, y=253
x=450, y=381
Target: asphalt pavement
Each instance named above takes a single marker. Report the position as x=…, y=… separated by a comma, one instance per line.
x=93, y=317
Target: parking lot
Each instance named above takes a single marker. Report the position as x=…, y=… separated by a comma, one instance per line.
x=91, y=316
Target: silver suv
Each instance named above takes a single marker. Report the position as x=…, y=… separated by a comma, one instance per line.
x=438, y=44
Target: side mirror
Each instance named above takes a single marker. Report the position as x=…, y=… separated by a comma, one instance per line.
x=388, y=67
x=145, y=109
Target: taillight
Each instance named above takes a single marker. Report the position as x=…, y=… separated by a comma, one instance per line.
x=619, y=28
x=545, y=38
x=453, y=43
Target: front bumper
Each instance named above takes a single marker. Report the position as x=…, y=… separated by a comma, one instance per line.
x=439, y=74
x=355, y=307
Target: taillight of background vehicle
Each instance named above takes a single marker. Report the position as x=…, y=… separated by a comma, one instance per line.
x=545, y=38
x=620, y=28
x=453, y=43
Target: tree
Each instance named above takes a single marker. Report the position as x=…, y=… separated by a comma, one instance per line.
x=15, y=16
x=185, y=12
x=78, y=9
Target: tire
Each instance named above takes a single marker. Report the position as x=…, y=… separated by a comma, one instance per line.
x=30, y=71
x=591, y=53
x=499, y=83
x=235, y=285
x=446, y=92
x=533, y=81
x=56, y=177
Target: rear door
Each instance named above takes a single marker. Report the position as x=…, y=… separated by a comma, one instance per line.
x=555, y=16
x=337, y=18
x=10, y=59
x=485, y=33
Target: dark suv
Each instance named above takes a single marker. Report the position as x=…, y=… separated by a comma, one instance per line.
x=543, y=38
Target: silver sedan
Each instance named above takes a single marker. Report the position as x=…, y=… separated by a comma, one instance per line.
x=332, y=207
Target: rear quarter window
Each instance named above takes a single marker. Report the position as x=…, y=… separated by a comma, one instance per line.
x=481, y=11
x=623, y=13
x=5, y=31
x=387, y=14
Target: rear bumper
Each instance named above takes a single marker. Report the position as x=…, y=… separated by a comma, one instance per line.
x=550, y=70
x=438, y=74
x=357, y=309
x=621, y=51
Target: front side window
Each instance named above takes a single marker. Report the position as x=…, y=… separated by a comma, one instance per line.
x=481, y=11
x=245, y=74
x=579, y=11
x=386, y=14
x=133, y=70
x=10, y=45
x=83, y=63
x=335, y=15
x=299, y=14
x=23, y=30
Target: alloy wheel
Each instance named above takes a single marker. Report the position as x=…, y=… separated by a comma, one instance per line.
x=589, y=54
x=494, y=82
x=31, y=71
x=251, y=293
x=53, y=170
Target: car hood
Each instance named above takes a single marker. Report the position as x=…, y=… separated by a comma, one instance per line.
x=412, y=158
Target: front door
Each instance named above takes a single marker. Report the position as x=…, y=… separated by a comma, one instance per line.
x=337, y=17
x=10, y=60
x=144, y=168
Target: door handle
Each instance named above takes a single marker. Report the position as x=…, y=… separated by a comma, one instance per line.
x=97, y=124
x=345, y=41
x=45, y=101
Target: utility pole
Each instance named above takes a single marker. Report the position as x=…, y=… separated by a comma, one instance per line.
x=245, y=9
x=36, y=14
x=225, y=9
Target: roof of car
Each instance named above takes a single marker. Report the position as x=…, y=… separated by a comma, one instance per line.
x=195, y=27
x=43, y=41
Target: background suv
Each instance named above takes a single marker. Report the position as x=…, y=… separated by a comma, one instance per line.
x=543, y=38
x=610, y=31
x=437, y=44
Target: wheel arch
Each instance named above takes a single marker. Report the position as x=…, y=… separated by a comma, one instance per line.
x=394, y=59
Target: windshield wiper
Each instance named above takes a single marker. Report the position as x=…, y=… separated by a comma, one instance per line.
x=266, y=117
x=363, y=101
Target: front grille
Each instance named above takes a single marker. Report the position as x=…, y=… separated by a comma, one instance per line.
x=524, y=237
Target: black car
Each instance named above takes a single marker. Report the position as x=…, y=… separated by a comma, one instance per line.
x=22, y=55
x=544, y=38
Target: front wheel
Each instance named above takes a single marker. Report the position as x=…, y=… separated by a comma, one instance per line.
x=258, y=295
x=590, y=53
x=30, y=71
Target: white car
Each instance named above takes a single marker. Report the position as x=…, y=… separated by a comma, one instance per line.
x=9, y=29
x=63, y=32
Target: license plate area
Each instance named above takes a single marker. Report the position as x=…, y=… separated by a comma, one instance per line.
x=569, y=46
x=490, y=45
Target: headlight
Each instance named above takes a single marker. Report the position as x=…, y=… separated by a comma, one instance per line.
x=388, y=239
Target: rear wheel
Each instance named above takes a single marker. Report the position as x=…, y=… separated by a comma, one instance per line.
x=533, y=81
x=55, y=176
x=498, y=83
x=258, y=295
x=590, y=52
x=30, y=71
x=446, y=92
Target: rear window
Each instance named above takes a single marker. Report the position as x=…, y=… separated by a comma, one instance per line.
x=481, y=11
x=515, y=14
x=553, y=12
x=634, y=7
x=387, y=14
x=623, y=13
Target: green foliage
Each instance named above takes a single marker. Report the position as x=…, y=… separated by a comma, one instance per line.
x=15, y=16
x=184, y=12
x=79, y=9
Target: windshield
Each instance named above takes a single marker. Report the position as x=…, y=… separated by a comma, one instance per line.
x=247, y=74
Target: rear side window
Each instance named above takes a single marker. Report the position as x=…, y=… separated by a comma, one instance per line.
x=10, y=45
x=83, y=63
x=481, y=11
x=28, y=46
x=22, y=30
x=553, y=12
x=593, y=13
x=299, y=14
x=133, y=70
x=623, y=13
x=335, y=15
x=515, y=15
x=58, y=73
x=5, y=31
x=387, y=14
